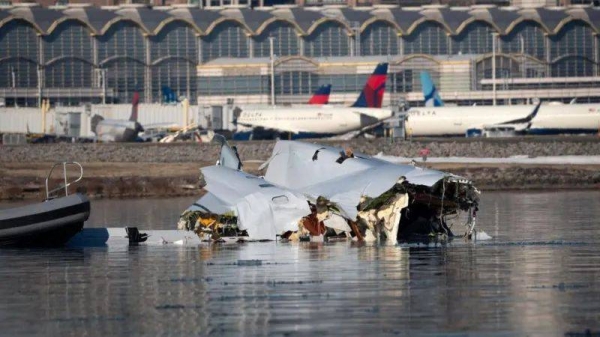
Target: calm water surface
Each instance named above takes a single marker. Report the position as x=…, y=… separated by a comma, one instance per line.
x=539, y=276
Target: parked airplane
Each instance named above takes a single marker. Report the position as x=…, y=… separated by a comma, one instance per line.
x=118, y=130
x=468, y=121
x=322, y=121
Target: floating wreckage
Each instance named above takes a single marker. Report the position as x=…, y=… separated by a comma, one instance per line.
x=315, y=192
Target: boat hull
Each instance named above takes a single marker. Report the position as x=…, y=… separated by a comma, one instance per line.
x=47, y=224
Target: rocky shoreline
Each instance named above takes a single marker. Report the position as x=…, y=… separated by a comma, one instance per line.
x=165, y=170
x=261, y=150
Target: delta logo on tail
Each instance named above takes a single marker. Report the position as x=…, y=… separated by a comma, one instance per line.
x=321, y=96
x=430, y=93
x=372, y=94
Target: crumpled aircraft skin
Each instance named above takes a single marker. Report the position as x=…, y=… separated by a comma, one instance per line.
x=345, y=179
x=313, y=190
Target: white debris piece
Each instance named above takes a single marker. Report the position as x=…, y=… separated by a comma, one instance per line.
x=263, y=209
x=320, y=191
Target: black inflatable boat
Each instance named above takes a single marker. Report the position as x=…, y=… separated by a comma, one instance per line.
x=49, y=223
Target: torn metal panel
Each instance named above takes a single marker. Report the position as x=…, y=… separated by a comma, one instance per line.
x=262, y=209
x=349, y=180
x=319, y=191
x=292, y=166
x=337, y=223
x=266, y=215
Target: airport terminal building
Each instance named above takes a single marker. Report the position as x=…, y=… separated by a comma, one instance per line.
x=84, y=54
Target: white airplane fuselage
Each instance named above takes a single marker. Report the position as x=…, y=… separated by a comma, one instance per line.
x=114, y=130
x=455, y=121
x=316, y=120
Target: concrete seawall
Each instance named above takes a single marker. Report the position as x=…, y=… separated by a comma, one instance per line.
x=141, y=170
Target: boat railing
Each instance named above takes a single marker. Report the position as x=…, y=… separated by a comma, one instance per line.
x=50, y=193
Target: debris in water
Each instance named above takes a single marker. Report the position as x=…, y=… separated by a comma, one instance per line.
x=312, y=192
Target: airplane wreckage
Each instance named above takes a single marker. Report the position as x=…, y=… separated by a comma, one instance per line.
x=314, y=192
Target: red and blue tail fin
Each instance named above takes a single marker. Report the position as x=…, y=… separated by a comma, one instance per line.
x=321, y=96
x=372, y=94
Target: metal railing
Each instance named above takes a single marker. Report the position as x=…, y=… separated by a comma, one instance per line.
x=67, y=183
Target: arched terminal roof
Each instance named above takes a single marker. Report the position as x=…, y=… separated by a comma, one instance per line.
x=149, y=19
x=40, y=17
x=203, y=20
x=97, y=19
x=305, y=20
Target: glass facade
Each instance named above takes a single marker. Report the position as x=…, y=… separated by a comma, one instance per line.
x=572, y=66
x=123, y=39
x=69, y=39
x=233, y=85
x=506, y=68
x=379, y=38
x=125, y=76
x=18, y=55
x=406, y=76
x=18, y=73
x=68, y=73
x=328, y=39
x=476, y=38
x=344, y=82
x=527, y=37
x=575, y=38
x=177, y=74
x=228, y=39
x=18, y=39
x=177, y=39
x=70, y=56
x=285, y=40
x=428, y=38
x=295, y=83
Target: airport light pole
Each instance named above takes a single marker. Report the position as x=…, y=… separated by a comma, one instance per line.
x=272, y=59
x=103, y=83
x=522, y=40
x=13, y=77
x=494, y=37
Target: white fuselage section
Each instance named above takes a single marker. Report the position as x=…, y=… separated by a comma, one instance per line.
x=446, y=121
x=312, y=119
x=115, y=130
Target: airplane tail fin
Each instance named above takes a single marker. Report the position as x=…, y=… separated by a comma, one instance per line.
x=95, y=120
x=430, y=93
x=168, y=95
x=321, y=96
x=372, y=94
x=134, y=107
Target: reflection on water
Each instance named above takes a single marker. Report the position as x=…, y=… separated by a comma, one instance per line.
x=538, y=277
